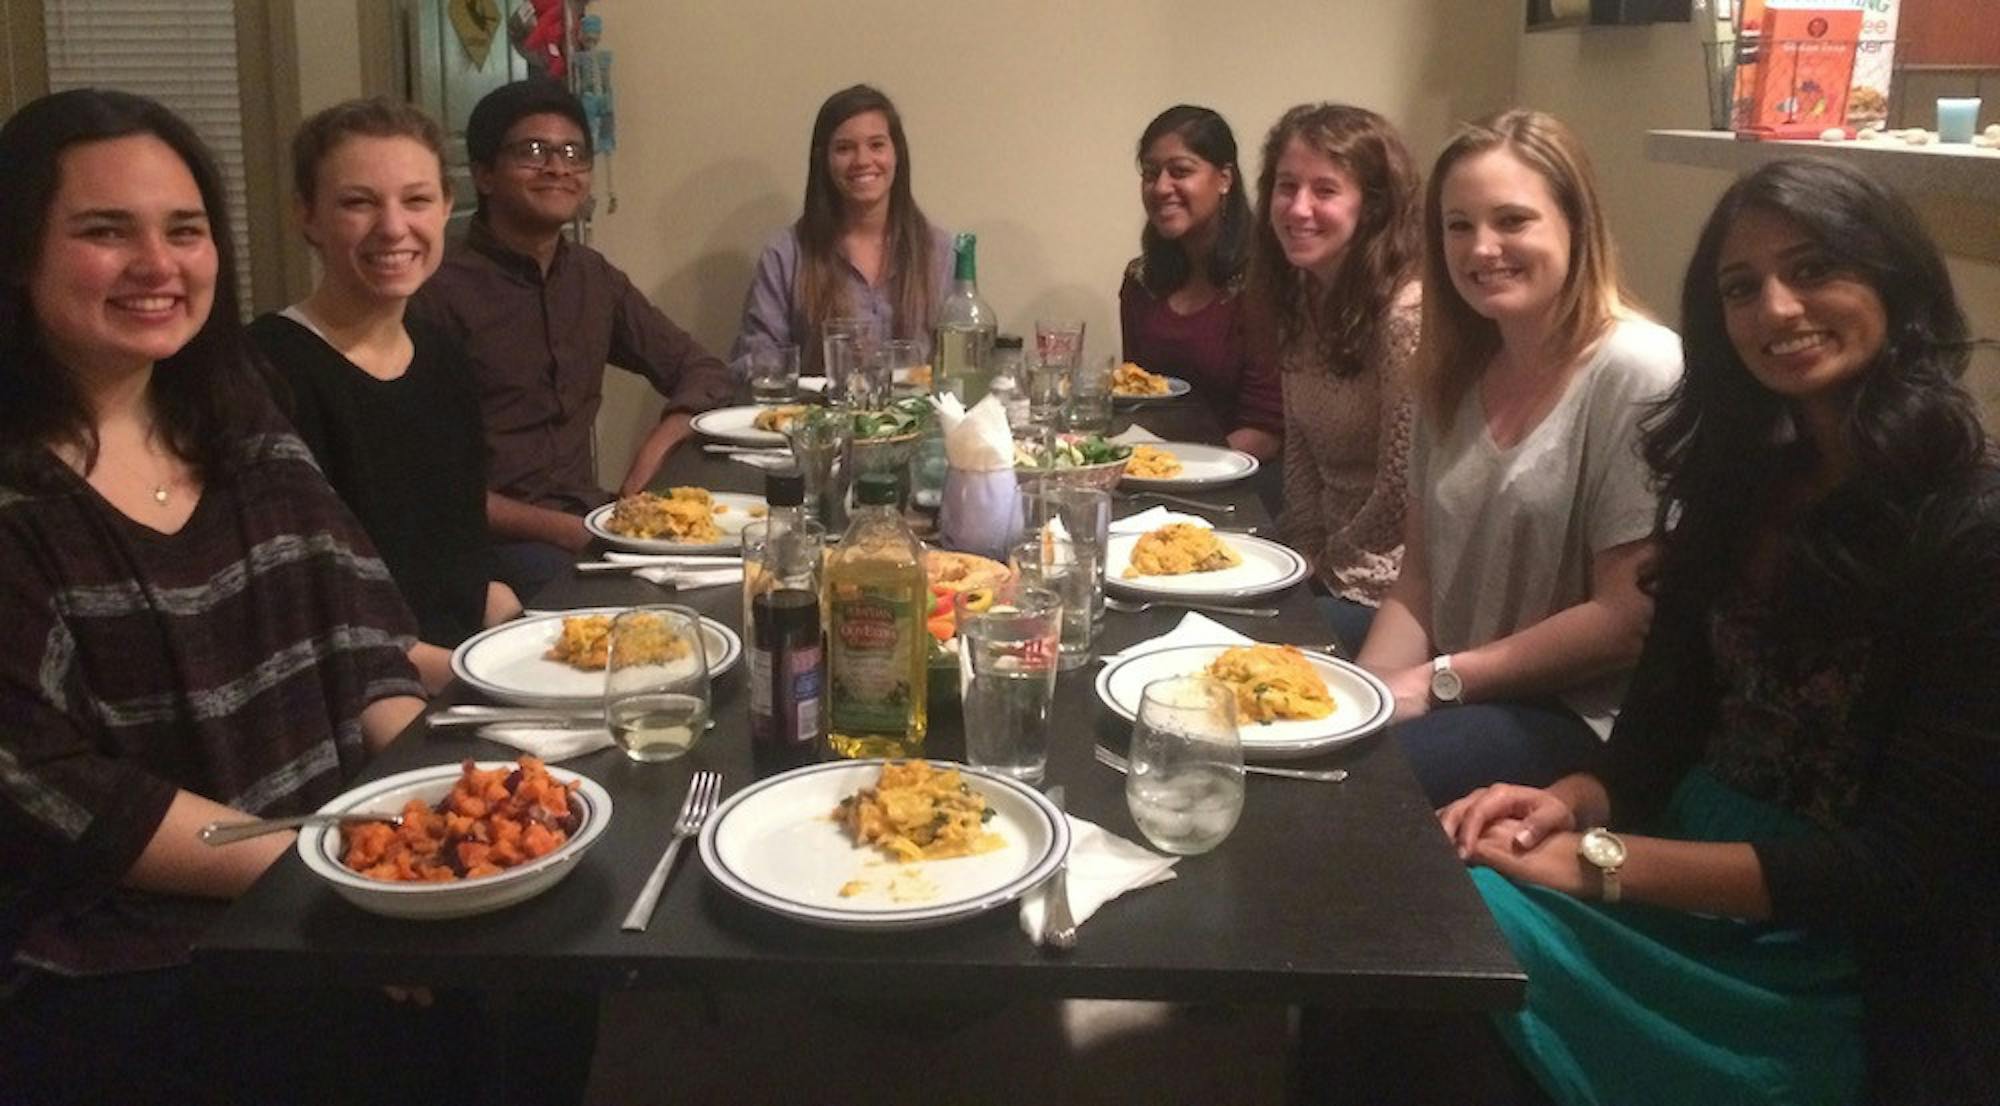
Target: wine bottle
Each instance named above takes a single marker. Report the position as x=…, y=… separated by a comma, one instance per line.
x=962, y=346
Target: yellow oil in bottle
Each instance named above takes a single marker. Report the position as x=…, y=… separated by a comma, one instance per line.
x=877, y=647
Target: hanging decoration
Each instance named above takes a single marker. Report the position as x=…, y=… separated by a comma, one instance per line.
x=474, y=21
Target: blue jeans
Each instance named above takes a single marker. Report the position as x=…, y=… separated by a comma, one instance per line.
x=1456, y=749
x=1348, y=620
x=528, y=566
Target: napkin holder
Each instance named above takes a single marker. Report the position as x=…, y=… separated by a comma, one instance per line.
x=978, y=511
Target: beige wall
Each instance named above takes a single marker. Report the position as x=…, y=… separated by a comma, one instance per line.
x=1612, y=85
x=329, y=57
x=1021, y=117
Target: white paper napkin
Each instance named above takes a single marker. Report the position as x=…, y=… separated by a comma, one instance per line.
x=1135, y=435
x=812, y=384
x=551, y=743
x=1192, y=630
x=977, y=440
x=1152, y=519
x=705, y=560
x=1102, y=866
x=687, y=579
x=763, y=460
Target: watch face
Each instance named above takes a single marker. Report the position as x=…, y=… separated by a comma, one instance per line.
x=1603, y=850
x=1446, y=686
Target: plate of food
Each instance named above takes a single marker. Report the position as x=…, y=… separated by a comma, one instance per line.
x=1289, y=703
x=1132, y=384
x=883, y=845
x=685, y=520
x=530, y=825
x=757, y=424
x=950, y=574
x=1167, y=466
x=557, y=659
x=1195, y=562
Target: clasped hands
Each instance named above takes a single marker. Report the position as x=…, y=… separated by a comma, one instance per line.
x=1527, y=834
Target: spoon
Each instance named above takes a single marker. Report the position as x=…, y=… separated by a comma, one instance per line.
x=226, y=833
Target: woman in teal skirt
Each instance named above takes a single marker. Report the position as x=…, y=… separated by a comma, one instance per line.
x=1783, y=886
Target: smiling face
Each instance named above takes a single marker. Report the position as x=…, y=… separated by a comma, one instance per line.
x=1506, y=240
x=126, y=272
x=1315, y=206
x=377, y=216
x=1804, y=326
x=536, y=196
x=1181, y=190
x=861, y=159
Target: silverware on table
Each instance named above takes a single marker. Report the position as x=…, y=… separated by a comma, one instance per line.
x=227, y=833
x=1058, y=925
x=682, y=561
x=695, y=809
x=488, y=716
x=1117, y=763
x=1199, y=505
x=769, y=451
x=1128, y=606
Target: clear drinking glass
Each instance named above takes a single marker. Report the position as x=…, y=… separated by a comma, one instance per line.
x=1062, y=566
x=774, y=374
x=1185, y=784
x=1085, y=514
x=656, y=697
x=820, y=441
x=1089, y=410
x=905, y=365
x=849, y=342
x=794, y=560
x=1009, y=639
x=1059, y=340
x=1048, y=389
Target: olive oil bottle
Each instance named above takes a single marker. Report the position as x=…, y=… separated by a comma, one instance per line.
x=877, y=648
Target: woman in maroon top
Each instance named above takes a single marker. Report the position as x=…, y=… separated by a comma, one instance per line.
x=1178, y=305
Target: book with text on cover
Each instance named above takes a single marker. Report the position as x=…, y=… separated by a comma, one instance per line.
x=1805, y=63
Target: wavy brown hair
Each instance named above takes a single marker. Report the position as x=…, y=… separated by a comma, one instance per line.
x=1378, y=262
x=1458, y=342
x=822, y=293
x=374, y=117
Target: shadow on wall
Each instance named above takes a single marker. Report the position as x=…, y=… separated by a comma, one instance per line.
x=1447, y=56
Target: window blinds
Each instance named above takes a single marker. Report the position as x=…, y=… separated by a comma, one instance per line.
x=179, y=52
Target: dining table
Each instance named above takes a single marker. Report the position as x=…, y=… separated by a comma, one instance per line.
x=1344, y=895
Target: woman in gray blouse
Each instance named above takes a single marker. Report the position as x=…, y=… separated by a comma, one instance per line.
x=1508, y=638
x=860, y=247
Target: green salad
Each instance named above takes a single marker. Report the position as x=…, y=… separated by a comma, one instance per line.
x=901, y=417
x=1069, y=451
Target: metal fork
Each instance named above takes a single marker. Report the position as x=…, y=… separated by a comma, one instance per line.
x=695, y=809
x=1059, y=925
x=1199, y=505
x=1330, y=775
x=1128, y=606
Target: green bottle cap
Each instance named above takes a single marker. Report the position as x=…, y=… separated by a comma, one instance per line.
x=964, y=248
x=875, y=489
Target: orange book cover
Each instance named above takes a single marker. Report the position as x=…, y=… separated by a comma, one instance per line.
x=1805, y=64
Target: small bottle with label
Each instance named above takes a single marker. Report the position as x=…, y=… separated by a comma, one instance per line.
x=877, y=649
x=787, y=679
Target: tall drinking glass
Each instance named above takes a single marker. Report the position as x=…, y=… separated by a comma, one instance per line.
x=656, y=697
x=1063, y=567
x=1059, y=340
x=1010, y=639
x=1185, y=786
x=1048, y=389
x=1089, y=410
x=905, y=365
x=848, y=343
x=1085, y=514
x=774, y=374
x=820, y=440
x=792, y=560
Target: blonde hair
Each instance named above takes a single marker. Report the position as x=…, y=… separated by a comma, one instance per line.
x=1458, y=342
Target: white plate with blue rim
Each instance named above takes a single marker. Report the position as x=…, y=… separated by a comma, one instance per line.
x=1202, y=466
x=1176, y=388
x=731, y=511
x=510, y=663
x=777, y=845
x=1361, y=701
x=1266, y=567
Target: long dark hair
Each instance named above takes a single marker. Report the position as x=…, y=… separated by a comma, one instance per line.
x=1165, y=265
x=821, y=291
x=203, y=395
x=1378, y=262
x=1721, y=441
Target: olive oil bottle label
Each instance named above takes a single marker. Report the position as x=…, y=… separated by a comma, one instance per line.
x=871, y=642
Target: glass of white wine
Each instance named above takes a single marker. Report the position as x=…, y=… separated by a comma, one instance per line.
x=656, y=696
x=1185, y=786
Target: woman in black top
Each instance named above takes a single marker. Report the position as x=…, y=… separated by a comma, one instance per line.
x=1801, y=899
x=387, y=404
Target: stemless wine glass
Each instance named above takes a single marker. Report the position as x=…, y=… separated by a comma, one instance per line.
x=656, y=697
x=1185, y=786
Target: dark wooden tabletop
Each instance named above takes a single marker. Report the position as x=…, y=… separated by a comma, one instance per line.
x=1332, y=894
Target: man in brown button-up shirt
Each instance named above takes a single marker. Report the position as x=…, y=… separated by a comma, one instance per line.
x=539, y=316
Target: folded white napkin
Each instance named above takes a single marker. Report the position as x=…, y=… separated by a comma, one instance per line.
x=1102, y=866
x=687, y=579
x=812, y=384
x=1192, y=630
x=763, y=460
x=1152, y=519
x=1135, y=435
x=977, y=440
x=551, y=743
x=711, y=560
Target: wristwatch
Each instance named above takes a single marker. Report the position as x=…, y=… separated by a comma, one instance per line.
x=1604, y=851
x=1447, y=690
